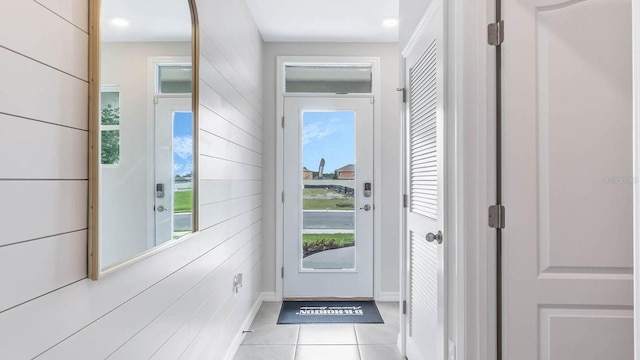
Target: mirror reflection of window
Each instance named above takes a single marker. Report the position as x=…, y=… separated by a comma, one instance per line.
x=110, y=125
x=174, y=79
x=146, y=123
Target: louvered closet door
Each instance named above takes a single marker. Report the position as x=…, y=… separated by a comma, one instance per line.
x=425, y=180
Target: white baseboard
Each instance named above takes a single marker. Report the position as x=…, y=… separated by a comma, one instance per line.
x=269, y=296
x=389, y=296
x=237, y=340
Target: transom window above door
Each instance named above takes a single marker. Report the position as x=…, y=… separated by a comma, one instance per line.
x=329, y=78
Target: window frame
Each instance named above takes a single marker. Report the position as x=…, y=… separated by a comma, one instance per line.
x=111, y=89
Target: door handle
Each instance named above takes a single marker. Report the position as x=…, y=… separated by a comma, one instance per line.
x=366, y=207
x=431, y=237
x=161, y=208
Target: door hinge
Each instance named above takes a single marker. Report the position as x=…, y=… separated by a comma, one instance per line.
x=283, y=122
x=405, y=200
x=404, y=94
x=404, y=306
x=496, y=216
x=282, y=272
x=495, y=33
x=283, y=196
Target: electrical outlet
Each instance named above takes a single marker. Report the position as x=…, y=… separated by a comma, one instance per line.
x=452, y=350
x=237, y=283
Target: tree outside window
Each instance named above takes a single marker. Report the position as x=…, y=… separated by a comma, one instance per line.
x=110, y=128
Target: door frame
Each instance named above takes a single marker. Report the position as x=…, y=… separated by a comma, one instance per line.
x=470, y=126
x=472, y=288
x=452, y=133
x=478, y=316
x=636, y=173
x=453, y=177
x=377, y=175
x=476, y=277
x=153, y=63
x=354, y=283
x=156, y=99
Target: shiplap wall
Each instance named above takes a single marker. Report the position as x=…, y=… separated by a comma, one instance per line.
x=176, y=304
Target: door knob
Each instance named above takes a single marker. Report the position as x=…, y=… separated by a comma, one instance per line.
x=366, y=207
x=161, y=208
x=431, y=237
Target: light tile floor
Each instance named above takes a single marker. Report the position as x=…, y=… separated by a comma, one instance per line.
x=269, y=341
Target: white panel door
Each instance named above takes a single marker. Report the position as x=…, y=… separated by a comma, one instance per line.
x=425, y=183
x=567, y=166
x=328, y=211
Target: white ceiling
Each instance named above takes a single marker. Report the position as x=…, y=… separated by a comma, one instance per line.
x=325, y=20
x=277, y=20
x=149, y=20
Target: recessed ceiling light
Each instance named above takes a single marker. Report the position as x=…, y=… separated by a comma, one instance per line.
x=120, y=22
x=390, y=22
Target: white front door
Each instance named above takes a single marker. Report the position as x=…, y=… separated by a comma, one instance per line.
x=173, y=190
x=425, y=183
x=567, y=180
x=328, y=197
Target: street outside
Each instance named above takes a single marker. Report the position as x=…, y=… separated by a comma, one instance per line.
x=328, y=228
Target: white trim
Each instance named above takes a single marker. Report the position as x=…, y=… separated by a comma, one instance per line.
x=455, y=103
x=636, y=173
x=479, y=260
x=269, y=296
x=417, y=32
x=404, y=269
x=109, y=88
x=471, y=285
x=279, y=177
x=474, y=276
x=377, y=178
x=237, y=340
x=377, y=173
x=389, y=296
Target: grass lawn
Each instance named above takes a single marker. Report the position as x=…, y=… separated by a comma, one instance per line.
x=315, y=192
x=314, y=243
x=183, y=201
x=323, y=199
x=327, y=204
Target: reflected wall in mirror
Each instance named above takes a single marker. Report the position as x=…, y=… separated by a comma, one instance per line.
x=144, y=121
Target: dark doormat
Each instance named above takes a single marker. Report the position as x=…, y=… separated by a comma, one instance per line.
x=309, y=312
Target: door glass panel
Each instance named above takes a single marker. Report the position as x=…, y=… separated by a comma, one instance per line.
x=174, y=169
x=328, y=237
x=182, y=173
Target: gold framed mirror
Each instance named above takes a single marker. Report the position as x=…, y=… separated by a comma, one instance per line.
x=143, y=129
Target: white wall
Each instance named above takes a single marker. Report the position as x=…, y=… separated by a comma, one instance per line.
x=126, y=187
x=179, y=301
x=411, y=12
x=390, y=188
